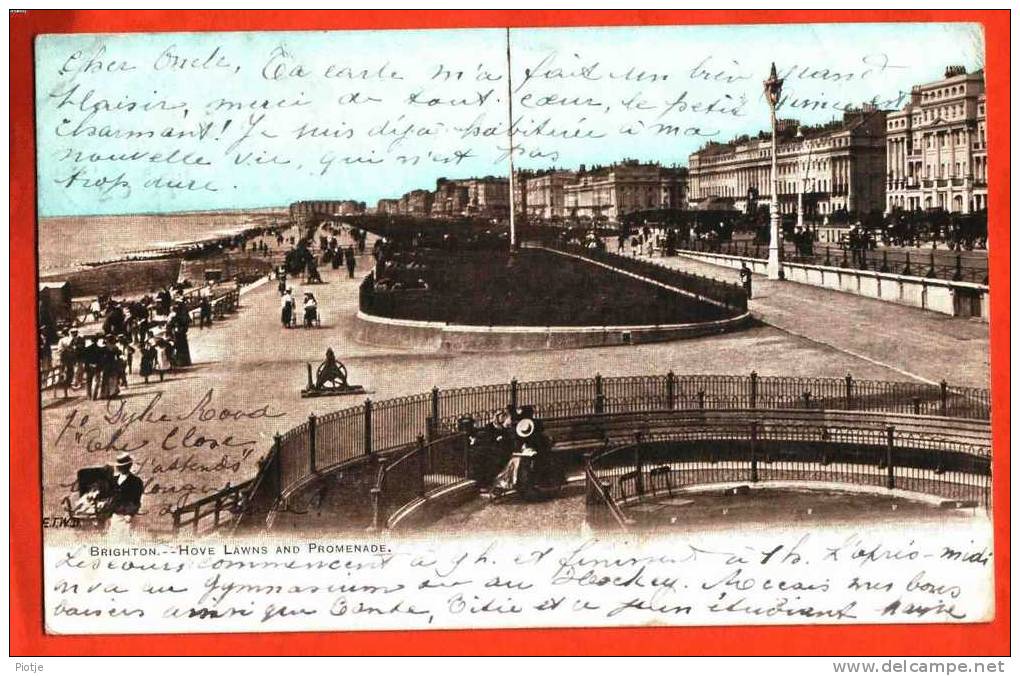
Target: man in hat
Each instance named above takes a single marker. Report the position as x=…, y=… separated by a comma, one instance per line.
x=126, y=496
x=67, y=353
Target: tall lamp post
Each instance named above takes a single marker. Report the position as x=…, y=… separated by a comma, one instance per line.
x=773, y=88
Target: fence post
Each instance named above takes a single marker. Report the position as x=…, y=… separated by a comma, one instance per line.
x=639, y=483
x=311, y=442
x=513, y=394
x=368, y=427
x=701, y=399
x=890, y=476
x=377, y=495
x=432, y=420
x=277, y=468
x=600, y=397
x=849, y=391
x=807, y=399
x=671, y=390
x=422, y=465
x=309, y=376
x=376, y=507
x=754, y=389
x=917, y=405
x=466, y=450
x=943, y=397
x=754, y=451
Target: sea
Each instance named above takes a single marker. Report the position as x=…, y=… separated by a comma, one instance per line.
x=69, y=243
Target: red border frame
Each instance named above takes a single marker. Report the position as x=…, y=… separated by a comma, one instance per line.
x=26, y=635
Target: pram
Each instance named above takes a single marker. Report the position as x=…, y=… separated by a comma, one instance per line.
x=91, y=510
x=312, y=316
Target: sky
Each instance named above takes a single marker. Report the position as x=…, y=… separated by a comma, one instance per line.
x=176, y=122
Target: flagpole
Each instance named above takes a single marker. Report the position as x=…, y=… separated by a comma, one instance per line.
x=510, y=133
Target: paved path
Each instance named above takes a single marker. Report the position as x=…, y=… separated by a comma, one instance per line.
x=207, y=425
x=915, y=343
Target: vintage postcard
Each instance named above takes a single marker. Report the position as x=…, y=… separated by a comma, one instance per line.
x=501, y=327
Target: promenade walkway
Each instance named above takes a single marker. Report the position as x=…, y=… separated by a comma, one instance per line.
x=915, y=343
x=208, y=425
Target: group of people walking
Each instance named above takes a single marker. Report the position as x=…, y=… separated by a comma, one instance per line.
x=288, y=309
x=100, y=361
x=336, y=255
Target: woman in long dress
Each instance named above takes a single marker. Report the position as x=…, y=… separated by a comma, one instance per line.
x=287, y=309
x=109, y=365
x=311, y=310
x=177, y=324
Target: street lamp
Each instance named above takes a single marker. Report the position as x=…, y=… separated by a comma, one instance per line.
x=773, y=88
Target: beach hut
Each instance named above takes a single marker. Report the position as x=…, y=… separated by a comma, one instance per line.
x=55, y=302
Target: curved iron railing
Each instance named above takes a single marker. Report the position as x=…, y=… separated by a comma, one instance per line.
x=390, y=427
x=770, y=448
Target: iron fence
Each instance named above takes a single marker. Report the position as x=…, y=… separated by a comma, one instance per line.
x=724, y=293
x=931, y=264
x=391, y=427
x=415, y=473
x=773, y=449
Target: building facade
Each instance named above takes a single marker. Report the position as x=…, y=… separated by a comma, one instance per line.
x=607, y=193
x=936, y=146
x=827, y=168
x=351, y=208
x=450, y=198
x=416, y=203
x=387, y=206
x=544, y=194
x=488, y=197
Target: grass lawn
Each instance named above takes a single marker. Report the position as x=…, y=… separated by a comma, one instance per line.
x=538, y=288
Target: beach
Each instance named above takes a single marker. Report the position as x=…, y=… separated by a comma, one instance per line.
x=70, y=243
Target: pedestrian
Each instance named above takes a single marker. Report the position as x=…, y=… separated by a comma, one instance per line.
x=96, y=308
x=163, y=302
x=108, y=369
x=286, y=309
x=147, y=366
x=67, y=350
x=90, y=358
x=125, y=499
x=311, y=308
x=204, y=312
x=350, y=261
x=745, y=279
x=163, y=364
x=128, y=353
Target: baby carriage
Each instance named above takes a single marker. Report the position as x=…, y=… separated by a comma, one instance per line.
x=91, y=510
x=311, y=313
